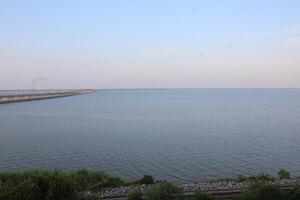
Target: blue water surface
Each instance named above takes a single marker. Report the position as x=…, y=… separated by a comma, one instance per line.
x=180, y=135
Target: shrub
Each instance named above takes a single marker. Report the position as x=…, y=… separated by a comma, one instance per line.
x=27, y=190
x=147, y=179
x=46, y=185
x=135, y=195
x=202, y=196
x=241, y=178
x=246, y=196
x=60, y=189
x=282, y=174
x=267, y=192
x=164, y=191
x=264, y=177
x=258, y=178
x=5, y=193
x=293, y=195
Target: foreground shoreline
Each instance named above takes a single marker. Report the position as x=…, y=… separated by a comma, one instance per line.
x=83, y=185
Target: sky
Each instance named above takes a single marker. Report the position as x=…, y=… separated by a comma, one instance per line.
x=149, y=44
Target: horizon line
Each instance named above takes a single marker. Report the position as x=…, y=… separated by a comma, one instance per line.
x=157, y=88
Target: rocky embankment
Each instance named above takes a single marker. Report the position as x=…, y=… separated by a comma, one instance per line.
x=192, y=187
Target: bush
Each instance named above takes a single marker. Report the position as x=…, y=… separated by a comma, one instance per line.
x=267, y=192
x=282, y=174
x=61, y=189
x=147, y=179
x=242, y=178
x=5, y=193
x=37, y=184
x=246, y=196
x=113, y=182
x=258, y=178
x=27, y=190
x=164, y=191
x=293, y=195
x=37, y=187
x=135, y=195
x=202, y=196
x=264, y=177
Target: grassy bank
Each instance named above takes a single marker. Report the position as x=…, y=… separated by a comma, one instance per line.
x=64, y=185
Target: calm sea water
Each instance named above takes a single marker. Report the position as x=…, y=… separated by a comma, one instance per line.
x=180, y=135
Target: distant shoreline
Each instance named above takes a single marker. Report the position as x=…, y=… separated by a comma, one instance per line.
x=121, y=89
x=164, y=88
x=40, y=96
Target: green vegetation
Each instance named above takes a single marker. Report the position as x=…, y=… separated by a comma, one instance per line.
x=58, y=185
x=135, y=195
x=36, y=187
x=61, y=185
x=147, y=179
x=202, y=196
x=53, y=185
x=257, y=178
x=165, y=191
x=81, y=180
x=269, y=192
x=282, y=174
x=168, y=191
x=293, y=195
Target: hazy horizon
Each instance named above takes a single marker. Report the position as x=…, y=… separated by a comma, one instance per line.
x=149, y=45
x=161, y=88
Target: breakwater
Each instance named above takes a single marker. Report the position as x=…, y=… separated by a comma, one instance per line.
x=13, y=98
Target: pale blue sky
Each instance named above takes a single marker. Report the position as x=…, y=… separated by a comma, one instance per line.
x=149, y=44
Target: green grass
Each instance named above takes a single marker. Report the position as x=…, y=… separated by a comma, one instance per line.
x=39, y=184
